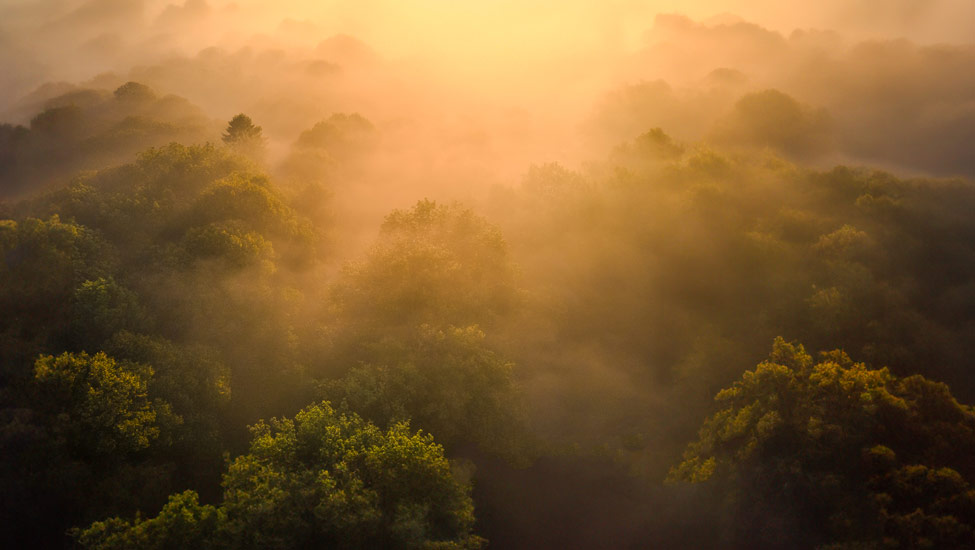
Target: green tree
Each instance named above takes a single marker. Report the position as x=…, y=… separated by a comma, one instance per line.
x=342, y=135
x=243, y=136
x=773, y=119
x=77, y=448
x=101, y=308
x=447, y=382
x=838, y=455
x=410, y=316
x=182, y=523
x=43, y=264
x=59, y=124
x=134, y=92
x=196, y=384
x=320, y=480
x=329, y=150
x=96, y=405
x=434, y=263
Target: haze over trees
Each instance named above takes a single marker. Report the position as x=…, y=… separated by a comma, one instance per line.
x=289, y=287
x=244, y=137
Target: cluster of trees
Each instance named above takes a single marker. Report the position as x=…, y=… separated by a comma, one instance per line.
x=744, y=247
x=661, y=274
x=523, y=362
x=837, y=455
x=89, y=129
x=320, y=480
x=155, y=309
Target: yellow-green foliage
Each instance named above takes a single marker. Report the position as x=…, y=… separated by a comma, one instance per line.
x=98, y=405
x=873, y=456
x=320, y=479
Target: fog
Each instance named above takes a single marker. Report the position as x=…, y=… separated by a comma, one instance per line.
x=519, y=81
x=546, y=233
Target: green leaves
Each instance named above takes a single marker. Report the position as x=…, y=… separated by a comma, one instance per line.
x=446, y=381
x=432, y=264
x=182, y=523
x=96, y=406
x=319, y=480
x=872, y=456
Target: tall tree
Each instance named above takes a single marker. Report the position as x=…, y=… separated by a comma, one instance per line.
x=243, y=136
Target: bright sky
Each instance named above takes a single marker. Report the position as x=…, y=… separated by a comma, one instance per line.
x=546, y=25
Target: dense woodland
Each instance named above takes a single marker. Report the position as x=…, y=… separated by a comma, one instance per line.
x=156, y=309
x=728, y=342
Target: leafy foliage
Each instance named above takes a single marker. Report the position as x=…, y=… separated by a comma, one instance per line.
x=92, y=129
x=183, y=294
x=96, y=406
x=341, y=134
x=79, y=442
x=773, y=119
x=447, y=381
x=395, y=314
x=432, y=264
x=321, y=479
x=44, y=264
x=839, y=454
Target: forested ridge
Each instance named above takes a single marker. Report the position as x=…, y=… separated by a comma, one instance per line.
x=273, y=330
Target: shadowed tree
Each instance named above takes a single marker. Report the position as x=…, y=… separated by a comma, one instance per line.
x=134, y=92
x=77, y=451
x=244, y=137
x=837, y=455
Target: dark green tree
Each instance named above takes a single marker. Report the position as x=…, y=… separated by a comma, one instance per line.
x=43, y=264
x=775, y=120
x=834, y=454
x=410, y=316
x=447, y=382
x=342, y=135
x=95, y=405
x=77, y=450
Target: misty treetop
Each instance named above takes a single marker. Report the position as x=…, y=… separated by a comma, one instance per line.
x=92, y=129
x=852, y=257
x=187, y=261
x=432, y=263
x=244, y=137
x=445, y=380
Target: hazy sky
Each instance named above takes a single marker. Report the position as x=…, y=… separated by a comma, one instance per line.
x=533, y=68
x=476, y=37
x=548, y=24
x=512, y=32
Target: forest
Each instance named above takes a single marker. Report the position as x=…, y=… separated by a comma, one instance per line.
x=506, y=275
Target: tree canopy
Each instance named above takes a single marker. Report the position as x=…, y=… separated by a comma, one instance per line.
x=320, y=479
x=834, y=454
x=555, y=340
